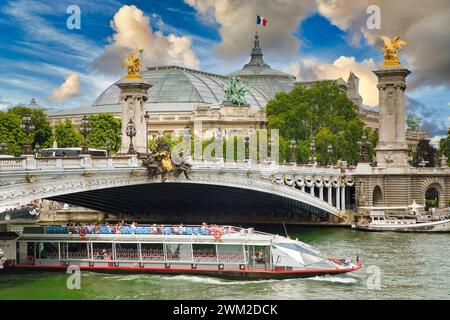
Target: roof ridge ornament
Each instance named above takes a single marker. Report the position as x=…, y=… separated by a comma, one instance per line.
x=256, y=57
x=235, y=91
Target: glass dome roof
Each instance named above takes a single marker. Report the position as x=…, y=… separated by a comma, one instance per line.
x=174, y=84
x=174, y=87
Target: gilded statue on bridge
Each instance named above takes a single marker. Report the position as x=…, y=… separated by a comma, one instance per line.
x=133, y=65
x=390, y=49
x=160, y=162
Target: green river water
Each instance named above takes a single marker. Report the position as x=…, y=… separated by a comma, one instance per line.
x=412, y=266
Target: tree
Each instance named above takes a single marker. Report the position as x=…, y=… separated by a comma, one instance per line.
x=105, y=132
x=11, y=134
x=323, y=112
x=425, y=152
x=444, y=146
x=66, y=136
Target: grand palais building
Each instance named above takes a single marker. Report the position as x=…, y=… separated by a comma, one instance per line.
x=180, y=96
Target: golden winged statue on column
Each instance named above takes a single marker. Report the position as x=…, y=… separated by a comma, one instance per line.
x=133, y=64
x=390, y=50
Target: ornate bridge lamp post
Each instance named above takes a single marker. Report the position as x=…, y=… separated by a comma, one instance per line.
x=330, y=155
x=293, y=147
x=85, y=130
x=247, y=146
x=312, y=149
x=131, y=133
x=27, y=128
x=3, y=147
x=363, y=155
x=36, y=148
x=147, y=117
x=219, y=145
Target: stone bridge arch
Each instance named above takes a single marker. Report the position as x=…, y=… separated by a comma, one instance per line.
x=435, y=183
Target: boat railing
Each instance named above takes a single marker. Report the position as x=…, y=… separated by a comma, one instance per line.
x=148, y=229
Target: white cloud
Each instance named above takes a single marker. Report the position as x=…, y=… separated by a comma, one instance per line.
x=423, y=24
x=133, y=31
x=311, y=69
x=70, y=88
x=237, y=22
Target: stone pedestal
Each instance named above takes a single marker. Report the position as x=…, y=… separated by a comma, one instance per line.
x=133, y=95
x=392, y=149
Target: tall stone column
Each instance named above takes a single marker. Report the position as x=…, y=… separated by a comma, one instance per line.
x=338, y=198
x=133, y=95
x=392, y=150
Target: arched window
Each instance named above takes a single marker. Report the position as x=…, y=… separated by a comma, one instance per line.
x=431, y=197
x=377, y=197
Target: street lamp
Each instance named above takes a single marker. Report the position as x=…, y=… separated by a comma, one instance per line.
x=147, y=117
x=27, y=128
x=84, y=130
x=330, y=154
x=131, y=132
x=293, y=146
x=36, y=147
x=312, y=149
x=363, y=156
x=3, y=147
x=247, y=146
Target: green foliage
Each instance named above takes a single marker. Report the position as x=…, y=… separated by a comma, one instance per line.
x=424, y=152
x=444, y=146
x=12, y=135
x=105, y=132
x=66, y=136
x=323, y=112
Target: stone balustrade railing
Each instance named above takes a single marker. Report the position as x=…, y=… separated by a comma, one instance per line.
x=132, y=161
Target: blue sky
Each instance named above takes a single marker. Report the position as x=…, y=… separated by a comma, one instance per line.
x=38, y=52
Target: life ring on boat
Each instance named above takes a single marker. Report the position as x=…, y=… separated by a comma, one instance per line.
x=83, y=232
x=217, y=234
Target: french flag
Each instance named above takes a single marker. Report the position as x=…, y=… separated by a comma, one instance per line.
x=261, y=20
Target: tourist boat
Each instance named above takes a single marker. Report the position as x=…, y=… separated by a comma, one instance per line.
x=226, y=251
x=379, y=222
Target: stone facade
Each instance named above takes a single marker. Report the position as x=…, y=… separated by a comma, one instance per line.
x=133, y=95
x=392, y=149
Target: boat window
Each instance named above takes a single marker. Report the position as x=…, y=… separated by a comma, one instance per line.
x=299, y=248
x=152, y=251
x=102, y=250
x=179, y=252
x=230, y=253
x=77, y=250
x=47, y=250
x=204, y=252
x=127, y=251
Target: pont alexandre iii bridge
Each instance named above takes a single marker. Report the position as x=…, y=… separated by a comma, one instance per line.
x=214, y=190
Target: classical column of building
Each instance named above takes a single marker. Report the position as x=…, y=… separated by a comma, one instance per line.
x=392, y=150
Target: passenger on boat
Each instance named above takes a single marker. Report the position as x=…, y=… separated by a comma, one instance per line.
x=204, y=228
x=154, y=229
x=182, y=229
x=133, y=227
x=261, y=257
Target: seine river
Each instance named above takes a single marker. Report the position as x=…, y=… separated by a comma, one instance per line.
x=412, y=266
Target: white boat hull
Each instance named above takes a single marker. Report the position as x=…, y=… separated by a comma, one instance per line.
x=435, y=226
